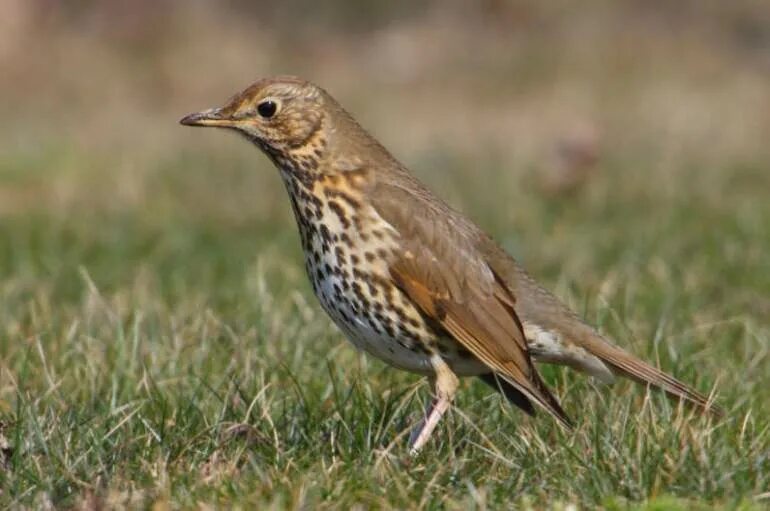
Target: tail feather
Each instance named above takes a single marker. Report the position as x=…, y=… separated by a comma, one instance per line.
x=551, y=403
x=541, y=395
x=514, y=395
x=642, y=372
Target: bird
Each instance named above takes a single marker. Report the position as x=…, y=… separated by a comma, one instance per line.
x=406, y=277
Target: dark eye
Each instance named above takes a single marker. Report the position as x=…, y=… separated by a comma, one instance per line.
x=267, y=109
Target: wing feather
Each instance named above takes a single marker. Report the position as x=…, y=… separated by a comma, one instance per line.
x=445, y=276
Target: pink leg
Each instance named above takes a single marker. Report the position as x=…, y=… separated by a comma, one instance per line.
x=445, y=385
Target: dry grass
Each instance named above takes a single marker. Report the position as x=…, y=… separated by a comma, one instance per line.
x=160, y=345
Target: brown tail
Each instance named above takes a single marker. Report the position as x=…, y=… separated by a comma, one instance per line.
x=627, y=365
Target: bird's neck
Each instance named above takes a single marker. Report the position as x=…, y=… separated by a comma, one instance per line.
x=303, y=163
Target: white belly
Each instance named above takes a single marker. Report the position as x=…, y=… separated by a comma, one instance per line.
x=367, y=332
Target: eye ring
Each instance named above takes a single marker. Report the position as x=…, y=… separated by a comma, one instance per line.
x=267, y=108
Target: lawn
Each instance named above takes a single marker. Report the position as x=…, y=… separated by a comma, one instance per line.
x=160, y=346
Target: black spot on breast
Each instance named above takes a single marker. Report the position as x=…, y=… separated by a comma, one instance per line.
x=360, y=295
x=400, y=313
x=325, y=234
x=307, y=164
x=345, y=197
x=340, y=254
x=374, y=326
x=337, y=210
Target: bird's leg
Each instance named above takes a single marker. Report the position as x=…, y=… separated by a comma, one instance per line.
x=418, y=429
x=445, y=385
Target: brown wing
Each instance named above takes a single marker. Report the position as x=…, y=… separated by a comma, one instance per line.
x=448, y=280
x=541, y=307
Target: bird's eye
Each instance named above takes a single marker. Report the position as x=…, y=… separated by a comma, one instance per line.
x=267, y=109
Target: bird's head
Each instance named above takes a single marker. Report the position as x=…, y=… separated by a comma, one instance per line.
x=282, y=115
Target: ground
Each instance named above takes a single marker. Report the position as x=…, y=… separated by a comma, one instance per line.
x=160, y=345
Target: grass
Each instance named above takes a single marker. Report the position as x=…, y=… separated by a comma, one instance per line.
x=182, y=359
x=160, y=346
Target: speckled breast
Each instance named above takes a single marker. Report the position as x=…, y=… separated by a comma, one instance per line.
x=347, y=248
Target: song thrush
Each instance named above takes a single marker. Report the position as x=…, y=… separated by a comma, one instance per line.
x=403, y=275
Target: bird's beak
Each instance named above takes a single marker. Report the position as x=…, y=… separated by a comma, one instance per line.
x=210, y=117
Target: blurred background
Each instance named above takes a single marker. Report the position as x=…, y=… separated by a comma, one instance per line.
x=91, y=90
x=517, y=111
x=619, y=148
